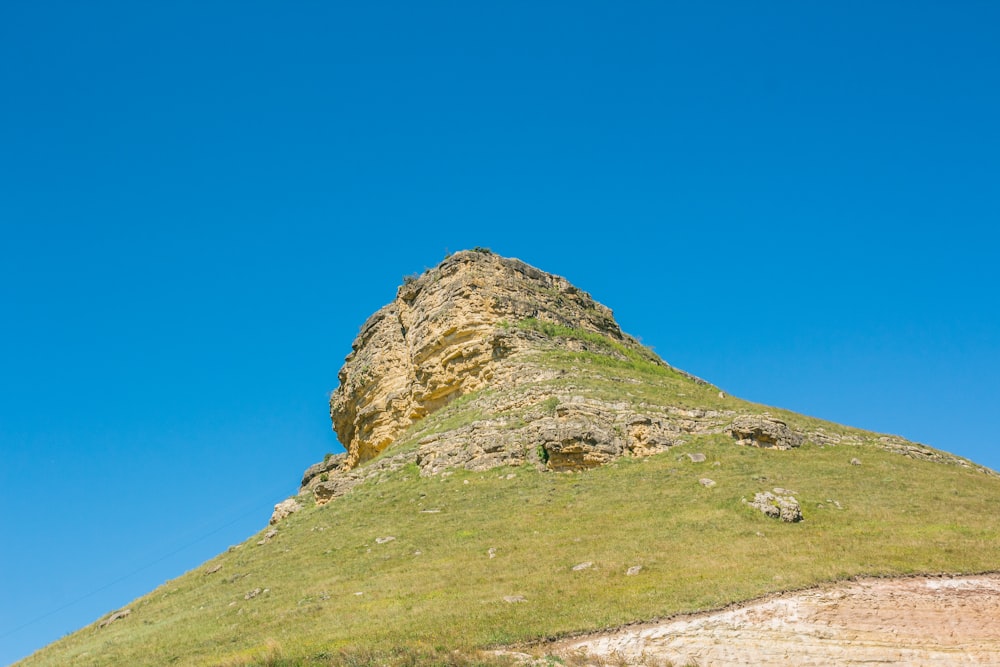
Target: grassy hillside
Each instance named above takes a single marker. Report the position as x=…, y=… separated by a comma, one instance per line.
x=330, y=588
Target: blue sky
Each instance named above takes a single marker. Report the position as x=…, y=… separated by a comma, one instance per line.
x=200, y=203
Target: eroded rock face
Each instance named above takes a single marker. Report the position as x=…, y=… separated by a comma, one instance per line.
x=576, y=434
x=483, y=322
x=763, y=431
x=443, y=336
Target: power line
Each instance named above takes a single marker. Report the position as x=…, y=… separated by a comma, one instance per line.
x=134, y=572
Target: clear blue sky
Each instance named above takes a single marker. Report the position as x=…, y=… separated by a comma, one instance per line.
x=201, y=202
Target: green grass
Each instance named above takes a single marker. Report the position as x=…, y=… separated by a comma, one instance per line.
x=635, y=356
x=699, y=548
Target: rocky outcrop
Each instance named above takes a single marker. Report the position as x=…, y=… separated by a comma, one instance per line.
x=283, y=509
x=444, y=336
x=475, y=327
x=578, y=434
x=563, y=434
x=763, y=431
x=320, y=471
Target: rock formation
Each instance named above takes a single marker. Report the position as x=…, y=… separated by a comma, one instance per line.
x=763, y=431
x=442, y=338
x=784, y=507
x=283, y=509
x=478, y=327
x=471, y=323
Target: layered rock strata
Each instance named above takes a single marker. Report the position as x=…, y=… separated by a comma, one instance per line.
x=763, y=431
x=442, y=337
x=473, y=327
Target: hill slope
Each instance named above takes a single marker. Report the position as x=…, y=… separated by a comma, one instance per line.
x=450, y=524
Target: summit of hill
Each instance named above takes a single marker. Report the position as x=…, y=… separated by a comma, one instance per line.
x=539, y=373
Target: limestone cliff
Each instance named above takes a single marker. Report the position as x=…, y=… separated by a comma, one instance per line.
x=442, y=337
x=546, y=377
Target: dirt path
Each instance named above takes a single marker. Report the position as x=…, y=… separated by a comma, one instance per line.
x=912, y=621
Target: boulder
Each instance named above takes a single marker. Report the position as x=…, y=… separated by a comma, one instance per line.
x=117, y=616
x=785, y=508
x=283, y=509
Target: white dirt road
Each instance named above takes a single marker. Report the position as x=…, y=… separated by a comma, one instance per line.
x=946, y=621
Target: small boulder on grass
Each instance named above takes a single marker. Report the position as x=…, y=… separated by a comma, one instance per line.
x=117, y=616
